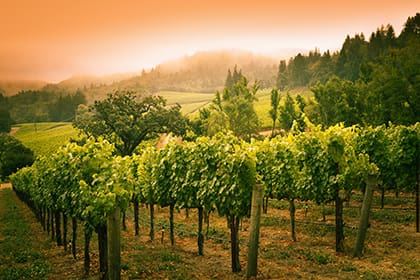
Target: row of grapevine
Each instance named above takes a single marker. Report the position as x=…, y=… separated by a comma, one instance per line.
x=88, y=183
x=207, y=174
x=77, y=182
x=320, y=166
x=396, y=152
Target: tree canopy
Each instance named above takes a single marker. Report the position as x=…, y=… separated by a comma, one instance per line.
x=13, y=155
x=126, y=119
x=376, y=82
x=5, y=120
x=44, y=105
x=233, y=109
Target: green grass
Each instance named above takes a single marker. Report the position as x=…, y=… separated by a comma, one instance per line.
x=44, y=138
x=18, y=258
x=263, y=104
x=191, y=102
x=182, y=98
x=191, y=109
x=262, y=108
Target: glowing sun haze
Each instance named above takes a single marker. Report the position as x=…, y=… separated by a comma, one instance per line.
x=55, y=39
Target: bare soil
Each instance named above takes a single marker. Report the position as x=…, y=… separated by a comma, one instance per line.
x=391, y=248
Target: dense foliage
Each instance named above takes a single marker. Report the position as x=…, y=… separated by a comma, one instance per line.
x=88, y=182
x=5, y=120
x=355, y=59
x=373, y=82
x=126, y=120
x=233, y=109
x=13, y=155
x=368, y=82
x=44, y=105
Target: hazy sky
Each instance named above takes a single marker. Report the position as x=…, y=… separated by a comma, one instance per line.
x=54, y=39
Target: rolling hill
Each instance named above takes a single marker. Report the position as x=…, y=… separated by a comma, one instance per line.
x=12, y=87
x=203, y=72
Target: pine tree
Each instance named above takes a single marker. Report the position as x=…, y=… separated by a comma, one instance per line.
x=287, y=113
x=5, y=120
x=275, y=100
x=233, y=109
x=281, y=76
x=229, y=80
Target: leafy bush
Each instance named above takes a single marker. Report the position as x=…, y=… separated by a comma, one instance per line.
x=13, y=155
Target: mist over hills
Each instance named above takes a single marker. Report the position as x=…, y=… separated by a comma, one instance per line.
x=12, y=87
x=203, y=72
x=363, y=71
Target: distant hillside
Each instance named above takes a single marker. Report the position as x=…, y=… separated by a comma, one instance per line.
x=203, y=72
x=9, y=88
x=207, y=70
x=85, y=82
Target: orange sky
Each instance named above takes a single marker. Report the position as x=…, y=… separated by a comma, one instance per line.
x=55, y=39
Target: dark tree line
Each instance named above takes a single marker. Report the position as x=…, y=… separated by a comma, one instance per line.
x=5, y=119
x=43, y=105
x=352, y=62
x=370, y=82
x=13, y=155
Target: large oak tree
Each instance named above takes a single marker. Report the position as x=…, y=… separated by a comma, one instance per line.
x=126, y=120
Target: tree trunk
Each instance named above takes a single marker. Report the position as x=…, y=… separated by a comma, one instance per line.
x=65, y=231
x=48, y=221
x=124, y=224
x=152, y=222
x=417, y=194
x=324, y=218
x=339, y=233
x=58, y=228
x=171, y=224
x=136, y=217
x=292, y=210
x=265, y=205
x=234, y=242
x=254, y=233
x=103, y=251
x=200, y=236
x=187, y=213
x=88, y=235
x=52, y=225
x=339, y=226
x=37, y=212
x=364, y=216
x=207, y=221
x=114, y=245
x=74, y=236
x=382, y=196
x=43, y=221
x=273, y=128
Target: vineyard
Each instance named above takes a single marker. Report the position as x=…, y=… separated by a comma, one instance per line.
x=88, y=185
x=44, y=138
